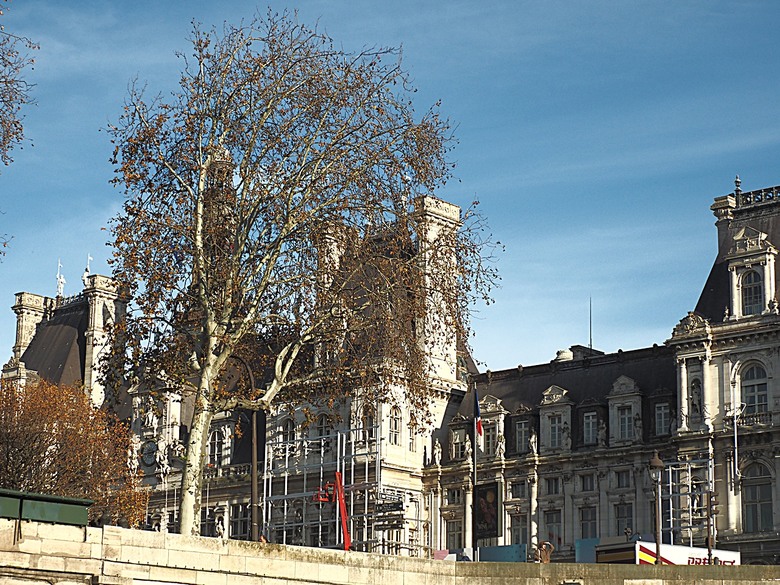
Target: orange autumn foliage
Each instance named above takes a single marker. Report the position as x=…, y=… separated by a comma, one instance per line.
x=53, y=441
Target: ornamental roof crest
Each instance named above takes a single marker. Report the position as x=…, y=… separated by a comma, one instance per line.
x=691, y=324
x=490, y=403
x=748, y=240
x=624, y=385
x=554, y=394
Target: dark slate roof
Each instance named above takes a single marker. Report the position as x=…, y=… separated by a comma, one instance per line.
x=757, y=209
x=588, y=379
x=57, y=351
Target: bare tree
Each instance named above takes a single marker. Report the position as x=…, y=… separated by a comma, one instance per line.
x=278, y=208
x=14, y=90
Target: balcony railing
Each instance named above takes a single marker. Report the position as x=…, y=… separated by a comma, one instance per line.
x=755, y=419
x=756, y=197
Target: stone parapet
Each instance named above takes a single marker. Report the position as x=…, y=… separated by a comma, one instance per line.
x=60, y=555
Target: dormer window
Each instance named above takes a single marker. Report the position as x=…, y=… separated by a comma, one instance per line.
x=752, y=293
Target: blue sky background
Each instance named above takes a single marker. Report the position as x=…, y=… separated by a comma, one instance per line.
x=596, y=135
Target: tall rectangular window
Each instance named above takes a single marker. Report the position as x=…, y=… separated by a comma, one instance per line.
x=553, y=486
x=625, y=422
x=588, y=482
x=521, y=436
x=662, y=419
x=552, y=526
x=458, y=443
x=395, y=426
x=454, y=534
x=518, y=489
x=491, y=438
x=590, y=428
x=240, y=521
x=623, y=478
x=555, y=430
x=624, y=518
x=519, y=529
x=454, y=496
x=588, y=522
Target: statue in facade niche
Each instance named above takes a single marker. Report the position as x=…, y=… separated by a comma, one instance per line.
x=637, y=428
x=500, y=445
x=532, y=442
x=602, y=435
x=437, y=453
x=469, y=450
x=566, y=432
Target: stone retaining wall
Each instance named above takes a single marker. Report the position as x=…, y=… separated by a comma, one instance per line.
x=63, y=555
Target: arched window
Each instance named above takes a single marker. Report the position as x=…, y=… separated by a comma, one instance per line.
x=757, y=499
x=752, y=293
x=288, y=430
x=323, y=426
x=754, y=393
x=216, y=446
x=368, y=423
x=395, y=426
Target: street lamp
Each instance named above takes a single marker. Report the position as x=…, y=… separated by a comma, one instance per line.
x=656, y=468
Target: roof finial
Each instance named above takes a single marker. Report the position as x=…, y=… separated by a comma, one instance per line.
x=60, y=279
x=737, y=183
x=85, y=276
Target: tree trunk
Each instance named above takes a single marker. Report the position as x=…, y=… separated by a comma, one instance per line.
x=192, y=474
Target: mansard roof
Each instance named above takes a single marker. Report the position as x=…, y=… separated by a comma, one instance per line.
x=589, y=379
x=740, y=216
x=57, y=351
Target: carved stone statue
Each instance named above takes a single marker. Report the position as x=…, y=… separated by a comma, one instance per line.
x=637, y=428
x=566, y=436
x=132, y=453
x=469, y=451
x=437, y=453
x=602, y=435
x=500, y=445
x=532, y=442
x=161, y=457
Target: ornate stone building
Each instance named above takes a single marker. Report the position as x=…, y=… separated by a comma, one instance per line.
x=566, y=444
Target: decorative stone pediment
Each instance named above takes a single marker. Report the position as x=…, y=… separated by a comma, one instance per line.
x=691, y=324
x=624, y=386
x=489, y=404
x=554, y=395
x=523, y=409
x=749, y=240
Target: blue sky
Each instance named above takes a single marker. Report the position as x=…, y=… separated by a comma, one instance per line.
x=595, y=134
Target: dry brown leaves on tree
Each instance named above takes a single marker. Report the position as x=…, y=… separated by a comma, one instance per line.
x=53, y=441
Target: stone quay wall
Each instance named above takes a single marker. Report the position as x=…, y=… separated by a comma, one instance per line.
x=33, y=553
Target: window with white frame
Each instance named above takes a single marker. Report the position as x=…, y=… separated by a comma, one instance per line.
x=216, y=447
x=752, y=293
x=556, y=430
x=288, y=430
x=395, y=426
x=624, y=518
x=625, y=422
x=458, y=437
x=757, y=499
x=522, y=431
x=590, y=423
x=454, y=534
x=323, y=426
x=663, y=419
x=754, y=390
x=240, y=521
x=519, y=529
x=491, y=438
x=588, y=522
x=412, y=440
